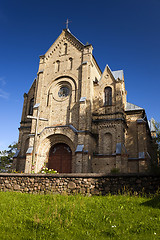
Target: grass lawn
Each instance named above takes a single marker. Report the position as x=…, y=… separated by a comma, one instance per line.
x=26, y=216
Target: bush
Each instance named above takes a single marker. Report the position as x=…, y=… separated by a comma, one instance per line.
x=115, y=170
x=45, y=170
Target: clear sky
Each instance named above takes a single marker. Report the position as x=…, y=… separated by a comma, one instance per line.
x=125, y=34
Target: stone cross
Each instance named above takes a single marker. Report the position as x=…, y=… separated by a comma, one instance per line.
x=67, y=22
x=37, y=118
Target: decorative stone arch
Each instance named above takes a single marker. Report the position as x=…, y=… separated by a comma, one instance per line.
x=67, y=130
x=45, y=146
x=55, y=85
x=70, y=77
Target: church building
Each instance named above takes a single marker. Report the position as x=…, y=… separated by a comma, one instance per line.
x=76, y=119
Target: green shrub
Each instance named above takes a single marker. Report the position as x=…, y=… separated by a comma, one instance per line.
x=46, y=170
x=115, y=170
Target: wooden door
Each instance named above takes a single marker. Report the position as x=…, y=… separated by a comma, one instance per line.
x=60, y=158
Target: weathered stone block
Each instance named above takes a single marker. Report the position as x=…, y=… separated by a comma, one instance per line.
x=16, y=187
x=95, y=191
x=71, y=185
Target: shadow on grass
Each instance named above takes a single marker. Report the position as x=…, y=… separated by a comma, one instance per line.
x=154, y=202
x=41, y=230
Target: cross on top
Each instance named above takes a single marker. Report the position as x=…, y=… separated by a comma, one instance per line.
x=67, y=22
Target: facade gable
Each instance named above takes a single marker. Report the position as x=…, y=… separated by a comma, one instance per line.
x=110, y=85
x=107, y=81
x=62, y=45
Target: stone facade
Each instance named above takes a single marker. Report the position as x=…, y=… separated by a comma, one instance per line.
x=79, y=108
x=86, y=184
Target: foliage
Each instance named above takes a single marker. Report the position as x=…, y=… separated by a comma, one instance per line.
x=26, y=216
x=115, y=170
x=155, y=165
x=157, y=130
x=45, y=170
x=6, y=157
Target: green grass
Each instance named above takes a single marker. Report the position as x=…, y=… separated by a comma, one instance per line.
x=26, y=216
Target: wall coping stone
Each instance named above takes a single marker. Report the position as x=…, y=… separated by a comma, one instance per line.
x=79, y=175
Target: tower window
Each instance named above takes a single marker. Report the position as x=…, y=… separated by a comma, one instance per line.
x=65, y=48
x=31, y=106
x=70, y=63
x=108, y=96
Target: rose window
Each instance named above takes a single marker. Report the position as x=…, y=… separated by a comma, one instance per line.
x=63, y=92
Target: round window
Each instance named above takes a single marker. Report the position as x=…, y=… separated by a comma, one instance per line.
x=63, y=92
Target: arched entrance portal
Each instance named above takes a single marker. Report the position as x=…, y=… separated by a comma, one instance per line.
x=60, y=158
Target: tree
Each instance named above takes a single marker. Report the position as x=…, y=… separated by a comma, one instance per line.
x=156, y=135
x=157, y=130
x=6, y=157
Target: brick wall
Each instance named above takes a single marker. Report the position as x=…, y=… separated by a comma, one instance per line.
x=87, y=184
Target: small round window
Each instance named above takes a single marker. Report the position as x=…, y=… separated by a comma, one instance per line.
x=63, y=92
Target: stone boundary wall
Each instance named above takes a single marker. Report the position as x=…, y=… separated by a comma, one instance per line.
x=86, y=184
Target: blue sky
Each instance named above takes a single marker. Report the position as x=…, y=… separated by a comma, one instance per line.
x=125, y=34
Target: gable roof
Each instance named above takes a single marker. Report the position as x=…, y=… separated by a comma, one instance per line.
x=118, y=74
x=132, y=107
x=115, y=74
x=67, y=31
x=69, y=36
x=106, y=70
x=151, y=125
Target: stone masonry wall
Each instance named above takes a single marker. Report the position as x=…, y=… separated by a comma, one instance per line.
x=86, y=184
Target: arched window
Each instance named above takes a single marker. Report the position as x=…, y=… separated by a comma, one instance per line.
x=108, y=96
x=57, y=66
x=70, y=63
x=65, y=48
x=31, y=104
